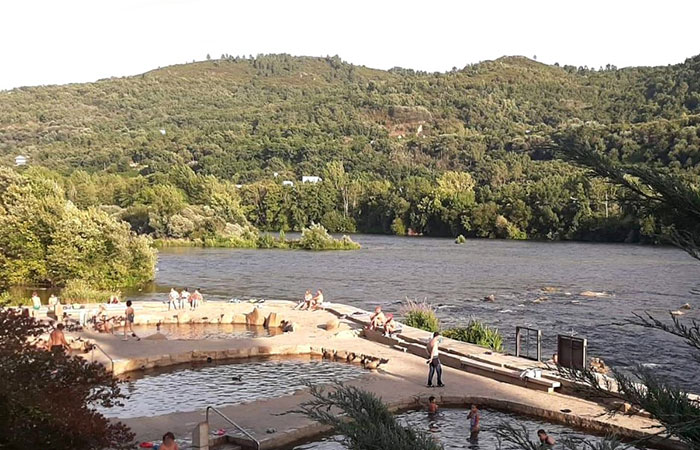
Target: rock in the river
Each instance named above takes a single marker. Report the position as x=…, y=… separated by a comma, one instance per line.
x=272, y=321
x=255, y=317
x=593, y=294
x=490, y=298
x=677, y=313
x=686, y=306
x=540, y=299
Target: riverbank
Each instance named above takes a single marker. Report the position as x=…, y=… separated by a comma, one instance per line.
x=472, y=374
x=315, y=237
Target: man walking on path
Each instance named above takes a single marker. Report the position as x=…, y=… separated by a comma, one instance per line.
x=434, y=361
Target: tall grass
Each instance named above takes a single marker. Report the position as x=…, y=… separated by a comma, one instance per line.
x=79, y=291
x=476, y=332
x=9, y=299
x=420, y=315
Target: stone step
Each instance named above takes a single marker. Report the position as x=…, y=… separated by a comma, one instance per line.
x=468, y=363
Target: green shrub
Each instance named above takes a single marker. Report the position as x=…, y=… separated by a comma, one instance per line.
x=337, y=223
x=79, y=291
x=8, y=299
x=460, y=239
x=398, y=227
x=476, y=332
x=316, y=237
x=420, y=315
x=266, y=240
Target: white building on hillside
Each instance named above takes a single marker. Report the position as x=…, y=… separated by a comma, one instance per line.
x=21, y=160
x=310, y=179
x=287, y=183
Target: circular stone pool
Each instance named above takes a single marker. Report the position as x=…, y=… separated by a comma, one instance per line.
x=193, y=388
x=451, y=428
x=204, y=331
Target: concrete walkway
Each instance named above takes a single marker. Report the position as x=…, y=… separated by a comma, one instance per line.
x=400, y=382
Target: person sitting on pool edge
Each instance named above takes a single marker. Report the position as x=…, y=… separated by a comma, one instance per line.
x=432, y=405
x=377, y=320
x=169, y=442
x=389, y=325
x=317, y=301
x=546, y=441
x=306, y=303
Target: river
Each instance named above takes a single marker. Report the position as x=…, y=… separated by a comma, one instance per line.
x=456, y=278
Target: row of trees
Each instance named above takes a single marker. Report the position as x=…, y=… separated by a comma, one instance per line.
x=46, y=239
x=514, y=198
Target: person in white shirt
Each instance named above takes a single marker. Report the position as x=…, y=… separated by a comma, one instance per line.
x=434, y=361
x=317, y=301
x=184, y=298
x=172, y=299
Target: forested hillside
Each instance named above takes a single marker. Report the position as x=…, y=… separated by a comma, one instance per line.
x=466, y=152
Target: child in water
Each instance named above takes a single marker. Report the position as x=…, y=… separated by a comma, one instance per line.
x=474, y=422
x=432, y=405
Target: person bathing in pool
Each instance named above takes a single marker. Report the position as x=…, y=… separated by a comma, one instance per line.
x=474, y=423
x=432, y=405
x=169, y=442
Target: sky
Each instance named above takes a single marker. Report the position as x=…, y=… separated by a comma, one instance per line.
x=63, y=41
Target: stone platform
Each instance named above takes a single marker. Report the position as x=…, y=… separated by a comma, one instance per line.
x=400, y=382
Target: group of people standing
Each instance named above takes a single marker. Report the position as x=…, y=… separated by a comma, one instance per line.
x=183, y=299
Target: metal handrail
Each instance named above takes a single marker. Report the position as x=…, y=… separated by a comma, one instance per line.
x=94, y=346
x=238, y=427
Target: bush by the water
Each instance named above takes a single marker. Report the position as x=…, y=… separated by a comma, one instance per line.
x=476, y=332
x=316, y=237
x=460, y=239
x=7, y=298
x=420, y=315
x=46, y=239
x=79, y=291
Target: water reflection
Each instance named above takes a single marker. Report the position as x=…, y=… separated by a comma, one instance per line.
x=221, y=384
x=451, y=428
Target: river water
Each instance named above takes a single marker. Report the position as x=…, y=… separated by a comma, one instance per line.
x=456, y=278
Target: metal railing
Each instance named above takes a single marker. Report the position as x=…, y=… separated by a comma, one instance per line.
x=92, y=355
x=519, y=331
x=238, y=427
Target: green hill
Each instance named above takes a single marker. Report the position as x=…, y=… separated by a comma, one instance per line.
x=398, y=134
x=234, y=117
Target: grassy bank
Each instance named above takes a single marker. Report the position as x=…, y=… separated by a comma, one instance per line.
x=315, y=238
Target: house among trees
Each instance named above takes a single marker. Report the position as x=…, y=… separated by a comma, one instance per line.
x=21, y=160
x=287, y=183
x=310, y=179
